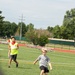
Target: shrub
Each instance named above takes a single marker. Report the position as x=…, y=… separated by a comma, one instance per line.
x=43, y=40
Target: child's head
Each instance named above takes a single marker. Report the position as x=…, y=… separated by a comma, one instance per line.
x=44, y=50
x=13, y=38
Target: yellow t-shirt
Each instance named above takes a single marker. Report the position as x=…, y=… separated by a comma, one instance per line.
x=13, y=49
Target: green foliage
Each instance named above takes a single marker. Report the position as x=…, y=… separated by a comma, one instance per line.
x=68, y=26
x=37, y=37
x=43, y=40
x=32, y=36
x=56, y=31
x=14, y=28
x=35, y=40
x=9, y=28
x=50, y=29
x=23, y=28
x=30, y=27
x=1, y=24
x=67, y=30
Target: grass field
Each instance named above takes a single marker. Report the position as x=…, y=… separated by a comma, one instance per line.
x=63, y=63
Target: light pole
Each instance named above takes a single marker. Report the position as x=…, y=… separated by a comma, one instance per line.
x=21, y=27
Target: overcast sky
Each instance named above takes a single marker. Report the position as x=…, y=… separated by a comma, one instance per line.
x=41, y=13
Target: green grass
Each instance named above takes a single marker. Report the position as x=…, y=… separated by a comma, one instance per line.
x=63, y=63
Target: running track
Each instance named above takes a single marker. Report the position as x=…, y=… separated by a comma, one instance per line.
x=57, y=49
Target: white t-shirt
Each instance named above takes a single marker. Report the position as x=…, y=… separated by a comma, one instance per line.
x=43, y=60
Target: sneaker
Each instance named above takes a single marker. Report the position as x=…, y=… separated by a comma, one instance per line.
x=8, y=66
x=16, y=65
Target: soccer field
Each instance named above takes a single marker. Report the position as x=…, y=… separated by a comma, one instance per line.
x=63, y=63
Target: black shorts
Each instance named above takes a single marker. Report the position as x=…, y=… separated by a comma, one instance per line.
x=44, y=68
x=13, y=57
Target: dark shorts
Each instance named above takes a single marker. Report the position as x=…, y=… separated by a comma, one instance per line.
x=13, y=57
x=44, y=68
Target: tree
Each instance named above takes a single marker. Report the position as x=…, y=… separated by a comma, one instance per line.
x=24, y=28
x=30, y=27
x=38, y=37
x=9, y=28
x=14, y=28
x=50, y=29
x=69, y=25
x=1, y=24
x=32, y=36
x=43, y=40
x=56, y=31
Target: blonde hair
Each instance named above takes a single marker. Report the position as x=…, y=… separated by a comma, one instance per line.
x=44, y=49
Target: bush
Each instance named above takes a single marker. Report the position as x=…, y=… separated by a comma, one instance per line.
x=43, y=40
x=35, y=40
x=38, y=37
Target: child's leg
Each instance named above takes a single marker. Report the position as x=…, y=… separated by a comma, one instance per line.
x=9, y=63
x=16, y=63
x=42, y=72
x=45, y=74
x=15, y=57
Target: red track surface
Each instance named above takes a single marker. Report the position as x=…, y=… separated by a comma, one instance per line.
x=22, y=45
x=66, y=51
x=57, y=49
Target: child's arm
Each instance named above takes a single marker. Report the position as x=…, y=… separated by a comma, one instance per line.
x=8, y=53
x=17, y=46
x=35, y=61
x=9, y=50
x=50, y=65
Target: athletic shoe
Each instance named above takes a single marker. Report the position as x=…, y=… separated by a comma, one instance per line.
x=8, y=66
x=16, y=65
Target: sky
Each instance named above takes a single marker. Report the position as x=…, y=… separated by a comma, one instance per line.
x=41, y=13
